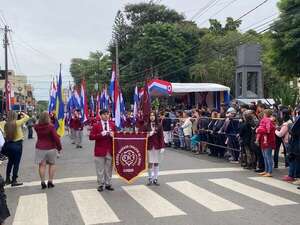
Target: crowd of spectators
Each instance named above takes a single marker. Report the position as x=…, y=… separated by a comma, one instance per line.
x=253, y=135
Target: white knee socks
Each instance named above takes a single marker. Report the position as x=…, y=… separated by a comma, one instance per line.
x=156, y=170
x=150, y=173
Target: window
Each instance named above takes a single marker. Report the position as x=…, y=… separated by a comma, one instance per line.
x=252, y=82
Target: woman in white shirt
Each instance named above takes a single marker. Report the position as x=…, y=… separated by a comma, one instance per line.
x=187, y=130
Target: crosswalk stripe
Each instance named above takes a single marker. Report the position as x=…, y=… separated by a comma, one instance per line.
x=208, y=199
x=277, y=183
x=162, y=173
x=156, y=205
x=93, y=208
x=252, y=192
x=32, y=210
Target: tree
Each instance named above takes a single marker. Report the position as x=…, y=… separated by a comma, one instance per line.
x=216, y=61
x=158, y=42
x=286, y=38
x=144, y=13
x=94, y=70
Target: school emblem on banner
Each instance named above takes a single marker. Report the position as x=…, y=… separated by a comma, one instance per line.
x=130, y=154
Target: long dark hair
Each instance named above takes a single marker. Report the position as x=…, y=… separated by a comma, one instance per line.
x=10, y=126
x=156, y=122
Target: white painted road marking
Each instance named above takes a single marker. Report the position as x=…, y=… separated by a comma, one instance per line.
x=32, y=210
x=156, y=205
x=210, y=200
x=93, y=208
x=277, y=183
x=251, y=192
x=162, y=173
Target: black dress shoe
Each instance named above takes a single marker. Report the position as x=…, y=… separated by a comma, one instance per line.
x=50, y=185
x=259, y=170
x=100, y=188
x=16, y=183
x=155, y=182
x=43, y=185
x=149, y=182
x=109, y=187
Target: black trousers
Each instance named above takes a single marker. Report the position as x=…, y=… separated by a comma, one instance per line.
x=259, y=157
x=30, y=132
x=14, y=150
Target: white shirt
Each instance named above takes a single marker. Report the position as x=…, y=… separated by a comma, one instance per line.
x=103, y=125
x=187, y=127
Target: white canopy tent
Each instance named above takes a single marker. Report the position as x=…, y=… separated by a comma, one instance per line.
x=197, y=87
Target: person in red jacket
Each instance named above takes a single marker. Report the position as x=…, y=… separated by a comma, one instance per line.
x=266, y=139
x=78, y=128
x=47, y=143
x=155, y=148
x=102, y=134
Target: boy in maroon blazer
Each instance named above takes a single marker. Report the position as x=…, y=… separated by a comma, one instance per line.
x=102, y=133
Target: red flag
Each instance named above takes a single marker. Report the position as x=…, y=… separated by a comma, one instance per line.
x=146, y=103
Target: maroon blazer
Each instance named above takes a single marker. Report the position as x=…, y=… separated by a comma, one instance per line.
x=156, y=141
x=77, y=125
x=47, y=137
x=103, y=144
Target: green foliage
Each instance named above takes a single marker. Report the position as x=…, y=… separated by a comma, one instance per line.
x=42, y=106
x=95, y=70
x=155, y=104
x=286, y=38
x=285, y=93
x=155, y=41
x=217, y=53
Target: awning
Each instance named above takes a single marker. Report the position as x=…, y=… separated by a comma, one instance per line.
x=197, y=87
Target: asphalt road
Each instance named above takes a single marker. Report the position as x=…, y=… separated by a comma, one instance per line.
x=194, y=190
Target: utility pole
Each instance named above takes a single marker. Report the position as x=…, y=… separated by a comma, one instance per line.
x=6, y=43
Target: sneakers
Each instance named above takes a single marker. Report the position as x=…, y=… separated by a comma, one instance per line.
x=297, y=181
x=16, y=183
x=287, y=178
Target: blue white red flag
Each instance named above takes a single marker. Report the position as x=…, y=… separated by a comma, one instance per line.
x=92, y=106
x=135, y=103
x=84, y=104
x=52, y=100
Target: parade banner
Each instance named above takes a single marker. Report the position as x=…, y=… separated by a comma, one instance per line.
x=129, y=154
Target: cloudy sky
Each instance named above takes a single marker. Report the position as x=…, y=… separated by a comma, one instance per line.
x=48, y=32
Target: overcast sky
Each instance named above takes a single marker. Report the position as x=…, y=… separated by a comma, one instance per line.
x=48, y=32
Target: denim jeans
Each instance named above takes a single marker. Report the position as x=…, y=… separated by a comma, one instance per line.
x=267, y=154
x=294, y=169
x=14, y=159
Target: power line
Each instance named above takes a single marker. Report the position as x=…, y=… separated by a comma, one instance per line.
x=194, y=46
x=250, y=11
x=12, y=46
x=212, y=54
x=204, y=9
x=223, y=8
x=246, y=28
